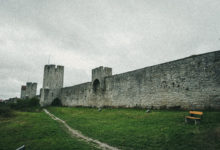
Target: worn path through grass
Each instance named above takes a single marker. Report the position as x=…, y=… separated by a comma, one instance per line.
x=36, y=130
x=135, y=129
x=80, y=135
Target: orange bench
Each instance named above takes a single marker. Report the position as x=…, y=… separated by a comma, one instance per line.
x=194, y=115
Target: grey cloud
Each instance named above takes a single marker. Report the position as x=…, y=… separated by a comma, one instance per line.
x=83, y=34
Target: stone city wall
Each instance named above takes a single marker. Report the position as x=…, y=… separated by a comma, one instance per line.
x=78, y=95
x=189, y=83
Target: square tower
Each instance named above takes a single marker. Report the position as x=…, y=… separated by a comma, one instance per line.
x=53, y=77
x=29, y=91
x=23, y=91
x=98, y=76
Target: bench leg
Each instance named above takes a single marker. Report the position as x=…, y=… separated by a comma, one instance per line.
x=197, y=122
x=186, y=120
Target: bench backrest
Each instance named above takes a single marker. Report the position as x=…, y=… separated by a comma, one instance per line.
x=196, y=112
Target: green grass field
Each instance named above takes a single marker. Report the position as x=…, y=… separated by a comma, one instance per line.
x=135, y=129
x=122, y=128
x=36, y=131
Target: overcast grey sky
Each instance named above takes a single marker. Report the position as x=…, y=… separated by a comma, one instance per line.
x=84, y=34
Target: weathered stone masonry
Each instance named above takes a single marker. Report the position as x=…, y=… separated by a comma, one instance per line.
x=189, y=83
x=52, y=84
x=29, y=90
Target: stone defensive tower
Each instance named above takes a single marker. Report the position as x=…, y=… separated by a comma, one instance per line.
x=23, y=91
x=52, y=83
x=29, y=91
x=98, y=75
x=53, y=77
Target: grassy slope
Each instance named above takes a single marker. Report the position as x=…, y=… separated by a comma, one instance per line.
x=135, y=129
x=35, y=131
